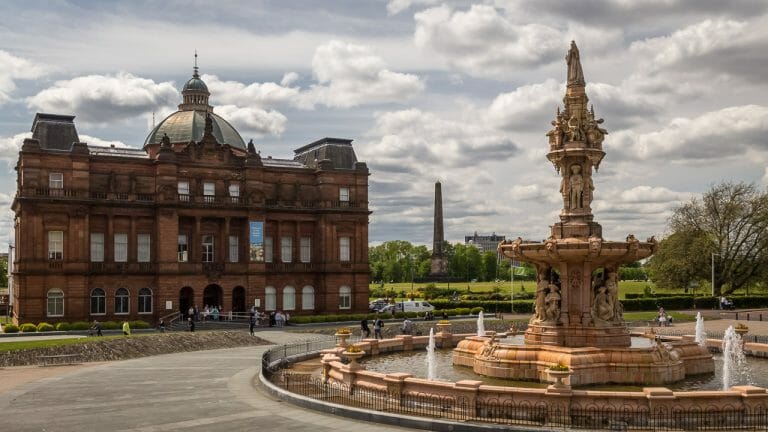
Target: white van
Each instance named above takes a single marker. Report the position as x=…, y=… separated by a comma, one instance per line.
x=413, y=306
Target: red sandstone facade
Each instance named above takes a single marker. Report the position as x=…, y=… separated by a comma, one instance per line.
x=122, y=234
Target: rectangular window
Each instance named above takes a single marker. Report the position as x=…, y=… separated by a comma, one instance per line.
x=344, y=194
x=286, y=249
x=345, y=298
x=234, y=192
x=209, y=192
x=234, y=246
x=143, y=242
x=56, y=245
x=183, y=188
x=207, y=248
x=121, y=247
x=306, y=249
x=55, y=303
x=56, y=181
x=97, y=247
x=268, y=249
x=344, y=243
x=183, y=249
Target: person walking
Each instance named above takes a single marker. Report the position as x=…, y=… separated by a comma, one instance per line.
x=252, y=324
x=126, y=328
x=191, y=324
x=96, y=327
x=161, y=326
x=378, y=325
x=366, y=331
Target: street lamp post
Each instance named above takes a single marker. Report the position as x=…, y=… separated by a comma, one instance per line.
x=713, y=273
x=512, y=285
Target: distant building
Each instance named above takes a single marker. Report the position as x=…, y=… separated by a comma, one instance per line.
x=195, y=217
x=484, y=243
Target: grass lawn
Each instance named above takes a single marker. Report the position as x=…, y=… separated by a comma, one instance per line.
x=648, y=316
x=45, y=343
x=519, y=286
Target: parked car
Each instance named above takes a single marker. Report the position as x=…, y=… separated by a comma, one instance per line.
x=377, y=304
x=390, y=308
x=413, y=306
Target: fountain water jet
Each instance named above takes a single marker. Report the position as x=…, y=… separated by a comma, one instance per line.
x=431, y=358
x=480, y=324
x=734, y=360
x=701, y=334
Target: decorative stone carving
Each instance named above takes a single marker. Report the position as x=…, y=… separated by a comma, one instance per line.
x=552, y=303
x=542, y=287
x=575, y=73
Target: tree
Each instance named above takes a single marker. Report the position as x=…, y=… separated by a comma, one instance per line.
x=731, y=222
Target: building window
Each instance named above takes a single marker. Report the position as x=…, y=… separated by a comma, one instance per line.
x=145, y=300
x=344, y=195
x=270, y=299
x=306, y=249
x=308, y=298
x=286, y=249
x=268, y=249
x=55, y=245
x=234, y=246
x=55, y=303
x=121, y=301
x=97, y=247
x=209, y=192
x=121, y=247
x=183, y=248
x=142, y=251
x=289, y=298
x=207, y=248
x=55, y=182
x=234, y=192
x=345, y=297
x=344, y=249
x=98, y=302
x=183, y=189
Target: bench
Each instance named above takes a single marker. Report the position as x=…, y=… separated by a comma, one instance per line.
x=59, y=359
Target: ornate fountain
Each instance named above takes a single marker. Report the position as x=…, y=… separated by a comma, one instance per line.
x=578, y=319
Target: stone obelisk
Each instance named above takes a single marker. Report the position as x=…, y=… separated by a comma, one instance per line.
x=439, y=264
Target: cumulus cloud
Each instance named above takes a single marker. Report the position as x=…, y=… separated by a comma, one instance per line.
x=394, y=7
x=764, y=180
x=482, y=42
x=104, y=99
x=526, y=106
x=254, y=120
x=259, y=94
x=10, y=146
x=96, y=141
x=351, y=75
x=726, y=133
x=14, y=68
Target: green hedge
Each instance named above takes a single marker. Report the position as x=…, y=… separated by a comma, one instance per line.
x=44, y=327
x=139, y=324
x=28, y=328
x=80, y=325
x=10, y=328
x=521, y=306
x=62, y=326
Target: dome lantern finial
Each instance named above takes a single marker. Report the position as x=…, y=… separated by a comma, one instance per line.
x=195, y=74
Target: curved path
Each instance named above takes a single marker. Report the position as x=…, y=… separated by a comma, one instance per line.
x=213, y=390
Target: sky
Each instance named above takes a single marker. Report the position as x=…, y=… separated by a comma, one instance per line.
x=453, y=91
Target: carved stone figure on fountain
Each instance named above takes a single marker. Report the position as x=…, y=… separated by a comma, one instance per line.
x=558, y=130
x=594, y=133
x=574, y=128
x=552, y=303
x=542, y=287
x=602, y=309
x=575, y=73
x=612, y=291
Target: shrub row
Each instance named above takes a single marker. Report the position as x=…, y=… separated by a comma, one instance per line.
x=63, y=326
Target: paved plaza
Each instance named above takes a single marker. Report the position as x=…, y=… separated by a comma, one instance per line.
x=191, y=391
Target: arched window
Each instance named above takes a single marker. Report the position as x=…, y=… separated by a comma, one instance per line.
x=55, y=303
x=308, y=298
x=121, y=301
x=345, y=297
x=98, y=302
x=289, y=298
x=270, y=299
x=145, y=300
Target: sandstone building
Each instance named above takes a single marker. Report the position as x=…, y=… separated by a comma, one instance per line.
x=195, y=217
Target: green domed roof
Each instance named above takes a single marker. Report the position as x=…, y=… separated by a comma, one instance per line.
x=195, y=83
x=186, y=126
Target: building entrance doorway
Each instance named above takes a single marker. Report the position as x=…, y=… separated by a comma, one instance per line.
x=212, y=296
x=186, y=298
x=238, y=299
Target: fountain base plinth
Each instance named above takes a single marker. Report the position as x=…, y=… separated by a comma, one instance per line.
x=578, y=336
x=659, y=364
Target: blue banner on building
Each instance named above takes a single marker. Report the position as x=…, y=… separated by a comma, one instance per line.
x=256, y=246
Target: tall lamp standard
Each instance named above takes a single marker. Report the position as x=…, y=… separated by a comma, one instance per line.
x=713, y=273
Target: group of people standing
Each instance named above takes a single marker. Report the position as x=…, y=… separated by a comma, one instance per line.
x=378, y=326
